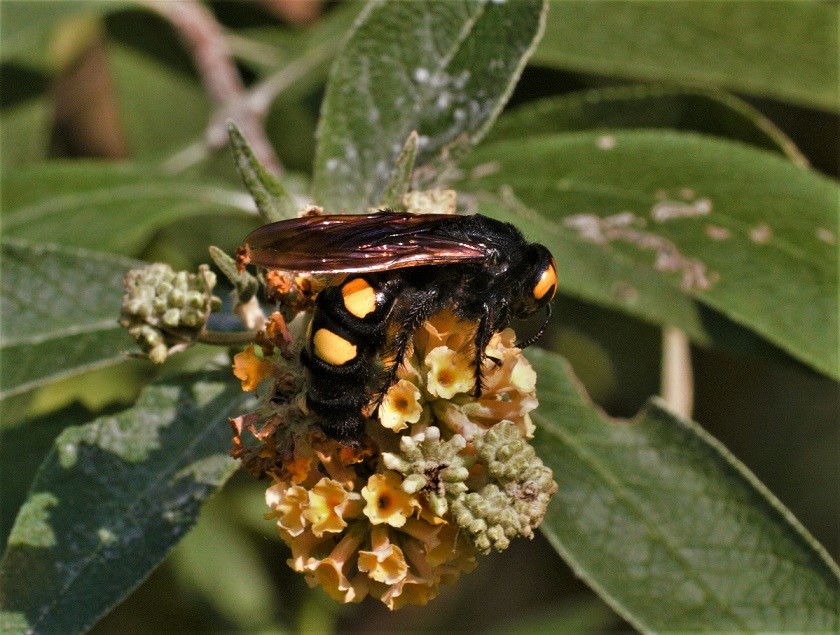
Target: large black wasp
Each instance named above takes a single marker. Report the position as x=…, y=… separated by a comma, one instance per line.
x=402, y=269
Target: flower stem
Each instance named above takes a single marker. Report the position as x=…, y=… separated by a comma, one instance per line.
x=226, y=338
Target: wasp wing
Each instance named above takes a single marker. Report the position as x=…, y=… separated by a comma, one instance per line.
x=356, y=243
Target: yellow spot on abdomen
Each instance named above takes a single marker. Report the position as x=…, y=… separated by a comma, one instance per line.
x=359, y=297
x=547, y=281
x=333, y=348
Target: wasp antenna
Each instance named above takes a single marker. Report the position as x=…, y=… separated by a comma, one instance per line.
x=539, y=333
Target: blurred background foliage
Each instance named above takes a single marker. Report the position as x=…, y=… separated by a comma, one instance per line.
x=114, y=80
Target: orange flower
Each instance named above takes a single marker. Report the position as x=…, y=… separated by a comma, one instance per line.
x=250, y=369
x=385, y=561
x=331, y=572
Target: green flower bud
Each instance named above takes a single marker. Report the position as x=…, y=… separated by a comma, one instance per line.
x=431, y=466
x=515, y=500
x=171, y=317
x=165, y=311
x=177, y=298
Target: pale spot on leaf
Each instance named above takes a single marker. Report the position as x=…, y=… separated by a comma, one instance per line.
x=717, y=233
x=761, y=234
x=669, y=210
x=625, y=227
x=605, y=142
x=826, y=236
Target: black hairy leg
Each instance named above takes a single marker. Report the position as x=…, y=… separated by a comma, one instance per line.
x=483, y=334
x=420, y=310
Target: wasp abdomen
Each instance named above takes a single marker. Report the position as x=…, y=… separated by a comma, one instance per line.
x=348, y=329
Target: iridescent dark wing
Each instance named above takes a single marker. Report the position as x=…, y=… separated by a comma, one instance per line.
x=364, y=242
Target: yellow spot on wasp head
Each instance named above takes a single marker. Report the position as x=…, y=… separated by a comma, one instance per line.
x=333, y=348
x=547, y=282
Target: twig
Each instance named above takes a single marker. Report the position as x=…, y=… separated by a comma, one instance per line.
x=206, y=42
x=251, y=105
x=226, y=338
x=677, y=375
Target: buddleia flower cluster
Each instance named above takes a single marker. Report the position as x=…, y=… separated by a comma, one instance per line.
x=164, y=310
x=442, y=477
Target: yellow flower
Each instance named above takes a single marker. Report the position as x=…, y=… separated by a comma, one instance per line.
x=387, y=503
x=250, y=369
x=401, y=406
x=444, y=329
x=385, y=561
x=305, y=547
x=451, y=550
x=449, y=373
x=328, y=504
x=288, y=504
x=410, y=590
x=351, y=526
x=331, y=572
x=523, y=377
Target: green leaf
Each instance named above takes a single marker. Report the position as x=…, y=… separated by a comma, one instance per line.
x=401, y=174
x=668, y=527
x=25, y=115
x=647, y=106
x=574, y=616
x=60, y=308
x=218, y=561
x=274, y=203
x=27, y=26
x=111, y=500
x=22, y=449
x=107, y=207
x=788, y=52
x=646, y=221
x=442, y=69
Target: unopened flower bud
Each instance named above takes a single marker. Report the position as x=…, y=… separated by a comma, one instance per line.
x=165, y=311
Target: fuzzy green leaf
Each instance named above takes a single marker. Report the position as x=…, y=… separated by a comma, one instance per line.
x=111, y=500
x=647, y=221
x=668, y=527
x=60, y=308
x=273, y=201
x=788, y=51
x=647, y=106
x=442, y=69
x=401, y=174
x=106, y=207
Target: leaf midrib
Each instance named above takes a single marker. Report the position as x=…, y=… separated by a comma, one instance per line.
x=425, y=93
x=143, y=191
x=623, y=494
x=109, y=324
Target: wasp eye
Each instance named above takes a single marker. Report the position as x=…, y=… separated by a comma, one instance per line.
x=547, y=283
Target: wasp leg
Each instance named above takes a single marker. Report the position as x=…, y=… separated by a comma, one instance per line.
x=420, y=312
x=482, y=338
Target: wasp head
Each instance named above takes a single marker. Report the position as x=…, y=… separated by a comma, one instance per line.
x=539, y=281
